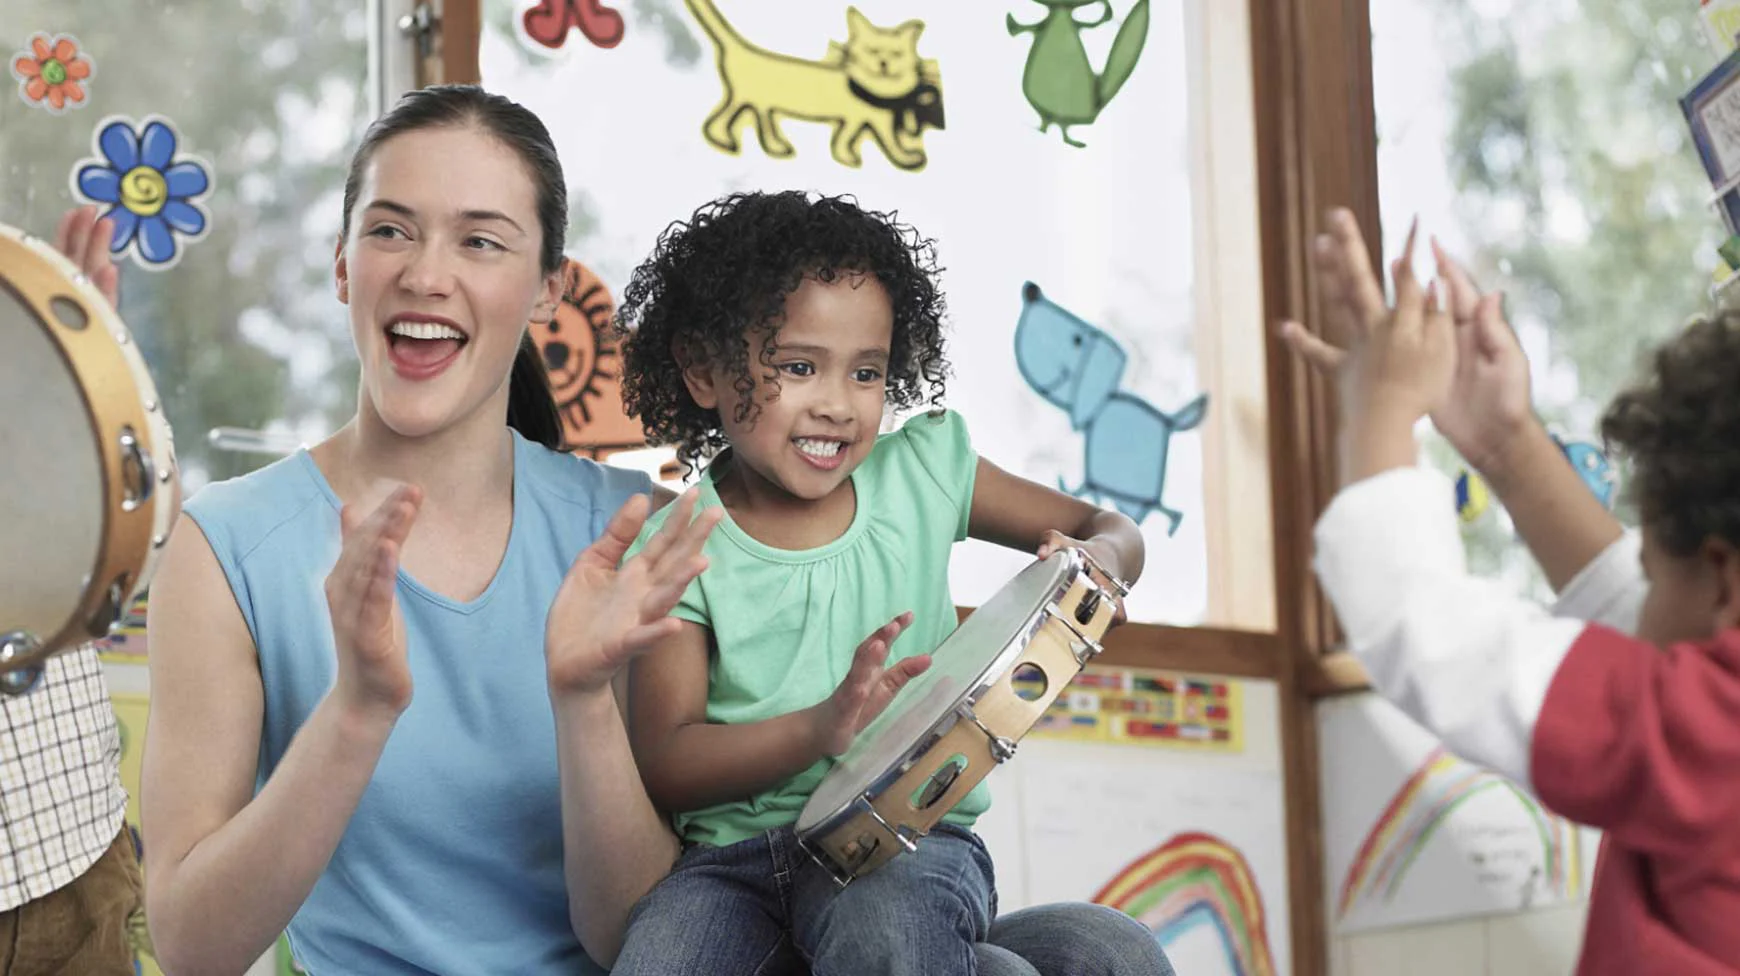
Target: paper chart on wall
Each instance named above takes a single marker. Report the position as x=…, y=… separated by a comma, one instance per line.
x=1192, y=846
x=1145, y=707
x=1413, y=834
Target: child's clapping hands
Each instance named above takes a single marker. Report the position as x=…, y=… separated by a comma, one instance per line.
x=1397, y=363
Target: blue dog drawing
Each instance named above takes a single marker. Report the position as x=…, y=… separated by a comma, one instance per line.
x=1592, y=466
x=1077, y=367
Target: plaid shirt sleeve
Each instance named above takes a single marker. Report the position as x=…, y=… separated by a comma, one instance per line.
x=61, y=798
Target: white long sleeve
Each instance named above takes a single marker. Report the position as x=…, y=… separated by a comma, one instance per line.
x=1467, y=659
x=1610, y=589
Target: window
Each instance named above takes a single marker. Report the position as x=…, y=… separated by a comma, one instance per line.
x=1545, y=145
x=1131, y=232
x=243, y=331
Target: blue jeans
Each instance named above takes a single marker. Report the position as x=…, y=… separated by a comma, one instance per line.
x=763, y=908
x=744, y=908
x=1071, y=939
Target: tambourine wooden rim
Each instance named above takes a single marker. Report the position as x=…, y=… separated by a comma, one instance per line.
x=126, y=420
x=887, y=818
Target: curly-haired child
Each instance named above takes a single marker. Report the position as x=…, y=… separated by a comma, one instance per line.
x=766, y=336
x=1636, y=735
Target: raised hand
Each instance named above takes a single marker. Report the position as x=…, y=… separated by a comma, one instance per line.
x=1404, y=355
x=866, y=690
x=374, y=676
x=1489, y=402
x=604, y=615
x=85, y=239
x=1336, y=284
x=1394, y=365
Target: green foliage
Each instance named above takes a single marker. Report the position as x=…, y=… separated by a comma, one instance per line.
x=1579, y=191
x=1575, y=174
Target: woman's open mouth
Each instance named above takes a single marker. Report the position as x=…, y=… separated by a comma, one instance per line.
x=421, y=349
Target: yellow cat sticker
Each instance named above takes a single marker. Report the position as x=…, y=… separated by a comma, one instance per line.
x=875, y=84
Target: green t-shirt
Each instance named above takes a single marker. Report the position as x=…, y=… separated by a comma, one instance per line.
x=785, y=623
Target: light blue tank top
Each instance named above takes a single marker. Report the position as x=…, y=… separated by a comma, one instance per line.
x=452, y=863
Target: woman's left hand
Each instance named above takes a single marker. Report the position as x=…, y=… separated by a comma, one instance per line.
x=603, y=616
x=1104, y=555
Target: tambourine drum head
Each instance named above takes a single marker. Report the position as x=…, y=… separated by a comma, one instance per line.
x=51, y=521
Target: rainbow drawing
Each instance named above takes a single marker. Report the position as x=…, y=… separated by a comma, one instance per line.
x=1422, y=805
x=1197, y=880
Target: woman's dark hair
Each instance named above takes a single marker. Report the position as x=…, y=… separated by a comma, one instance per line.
x=725, y=274
x=1680, y=429
x=531, y=404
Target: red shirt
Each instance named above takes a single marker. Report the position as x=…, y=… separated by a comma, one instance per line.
x=1645, y=745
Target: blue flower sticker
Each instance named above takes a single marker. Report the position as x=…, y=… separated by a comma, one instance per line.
x=150, y=191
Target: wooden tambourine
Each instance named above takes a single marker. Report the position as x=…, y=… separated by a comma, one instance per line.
x=89, y=474
x=956, y=722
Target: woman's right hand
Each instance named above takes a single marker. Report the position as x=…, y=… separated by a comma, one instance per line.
x=374, y=675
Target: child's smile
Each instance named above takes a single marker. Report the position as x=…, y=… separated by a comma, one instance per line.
x=816, y=406
x=825, y=453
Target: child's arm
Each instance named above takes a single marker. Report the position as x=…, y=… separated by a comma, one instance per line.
x=1607, y=729
x=689, y=763
x=1489, y=418
x=1020, y=514
x=1390, y=562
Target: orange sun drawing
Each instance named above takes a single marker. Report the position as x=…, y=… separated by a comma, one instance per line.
x=582, y=358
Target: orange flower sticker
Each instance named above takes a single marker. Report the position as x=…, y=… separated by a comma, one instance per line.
x=51, y=73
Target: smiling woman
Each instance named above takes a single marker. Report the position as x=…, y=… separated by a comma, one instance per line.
x=426, y=245
x=452, y=219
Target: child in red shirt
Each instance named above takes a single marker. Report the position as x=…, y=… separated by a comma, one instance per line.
x=1636, y=735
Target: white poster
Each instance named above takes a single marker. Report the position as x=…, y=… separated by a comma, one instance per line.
x=1413, y=834
x=1191, y=844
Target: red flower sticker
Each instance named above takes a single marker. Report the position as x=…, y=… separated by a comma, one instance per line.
x=51, y=74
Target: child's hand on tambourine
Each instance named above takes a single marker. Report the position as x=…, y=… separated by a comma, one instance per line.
x=1105, y=556
x=866, y=690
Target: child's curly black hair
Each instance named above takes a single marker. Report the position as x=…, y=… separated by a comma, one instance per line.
x=712, y=282
x=1680, y=428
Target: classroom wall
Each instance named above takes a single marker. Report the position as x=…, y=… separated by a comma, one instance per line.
x=1537, y=943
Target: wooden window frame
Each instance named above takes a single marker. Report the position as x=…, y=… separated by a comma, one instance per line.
x=1316, y=147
